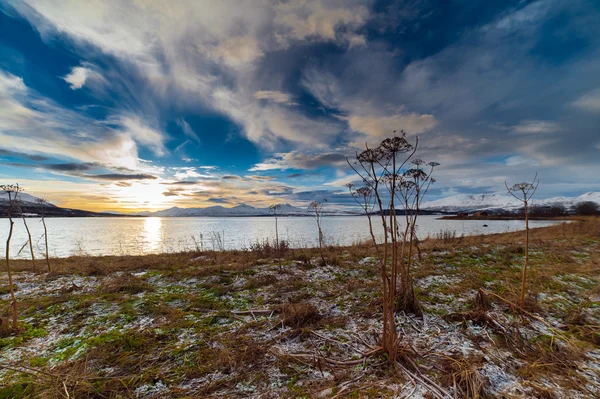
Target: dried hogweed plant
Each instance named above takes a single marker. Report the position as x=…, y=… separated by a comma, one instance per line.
x=12, y=191
x=393, y=186
x=524, y=192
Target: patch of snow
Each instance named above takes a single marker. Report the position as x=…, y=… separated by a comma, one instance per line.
x=152, y=390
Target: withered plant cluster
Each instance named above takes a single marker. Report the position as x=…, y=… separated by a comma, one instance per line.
x=316, y=210
x=14, y=207
x=394, y=185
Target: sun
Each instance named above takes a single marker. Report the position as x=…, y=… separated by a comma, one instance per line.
x=146, y=195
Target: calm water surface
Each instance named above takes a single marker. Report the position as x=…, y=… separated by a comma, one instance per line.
x=135, y=236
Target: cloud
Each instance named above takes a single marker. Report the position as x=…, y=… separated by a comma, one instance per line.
x=381, y=127
x=183, y=182
x=30, y=122
x=299, y=20
x=30, y=157
x=506, y=83
x=364, y=111
x=276, y=96
x=120, y=176
x=187, y=130
x=589, y=101
x=195, y=54
x=528, y=127
x=299, y=160
x=144, y=134
x=238, y=51
x=260, y=178
x=219, y=200
x=80, y=75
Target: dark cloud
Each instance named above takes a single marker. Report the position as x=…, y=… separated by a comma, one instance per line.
x=15, y=154
x=219, y=200
x=182, y=183
x=170, y=194
x=277, y=191
x=260, y=178
x=69, y=167
x=300, y=160
x=120, y=176
x=231, y=177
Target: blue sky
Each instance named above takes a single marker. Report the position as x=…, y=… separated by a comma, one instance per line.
x=134, y=105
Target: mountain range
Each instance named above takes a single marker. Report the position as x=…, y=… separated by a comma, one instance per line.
x=501, y=202
x=238, y=210
x=451, y=204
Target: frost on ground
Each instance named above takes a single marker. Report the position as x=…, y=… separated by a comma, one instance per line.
x=245, y=325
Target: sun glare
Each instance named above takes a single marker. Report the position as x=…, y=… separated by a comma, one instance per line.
x=142, y=196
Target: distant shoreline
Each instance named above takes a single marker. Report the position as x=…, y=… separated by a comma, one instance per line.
x=508, y=217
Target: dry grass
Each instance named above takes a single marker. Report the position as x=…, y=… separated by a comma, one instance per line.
x=462, y=374
x=117, y=324
x=298, y=315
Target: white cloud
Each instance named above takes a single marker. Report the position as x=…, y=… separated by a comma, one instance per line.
x=517, y=160
x=589, y=101
x=187, y=130
x=298, y=20
x=31, y=123
x=239, y=51
x=374, y=117
x=382, y=126
x=144, y=134
x=77, y=77
x=195, y=53
x=533, y=126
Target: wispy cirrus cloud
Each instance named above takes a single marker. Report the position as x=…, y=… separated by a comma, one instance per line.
x=220, y=68
x=33, y=124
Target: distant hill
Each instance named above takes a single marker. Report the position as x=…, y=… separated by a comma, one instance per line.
x=238, y=210
x=30, y=207
x=501, y=202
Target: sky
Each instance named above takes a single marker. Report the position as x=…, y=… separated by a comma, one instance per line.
x=131, y=105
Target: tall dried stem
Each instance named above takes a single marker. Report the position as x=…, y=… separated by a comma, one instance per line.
x=524, y=192
x=42, y=203
x=12, y=191
x=29, y=241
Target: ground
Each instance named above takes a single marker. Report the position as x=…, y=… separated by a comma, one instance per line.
x=255, y=324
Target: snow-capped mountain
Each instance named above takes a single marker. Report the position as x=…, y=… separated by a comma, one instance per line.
x=218, y=210
x=479, y=202
x=25, y=199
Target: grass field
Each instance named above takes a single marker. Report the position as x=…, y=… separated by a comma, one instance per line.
x=304, y=324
